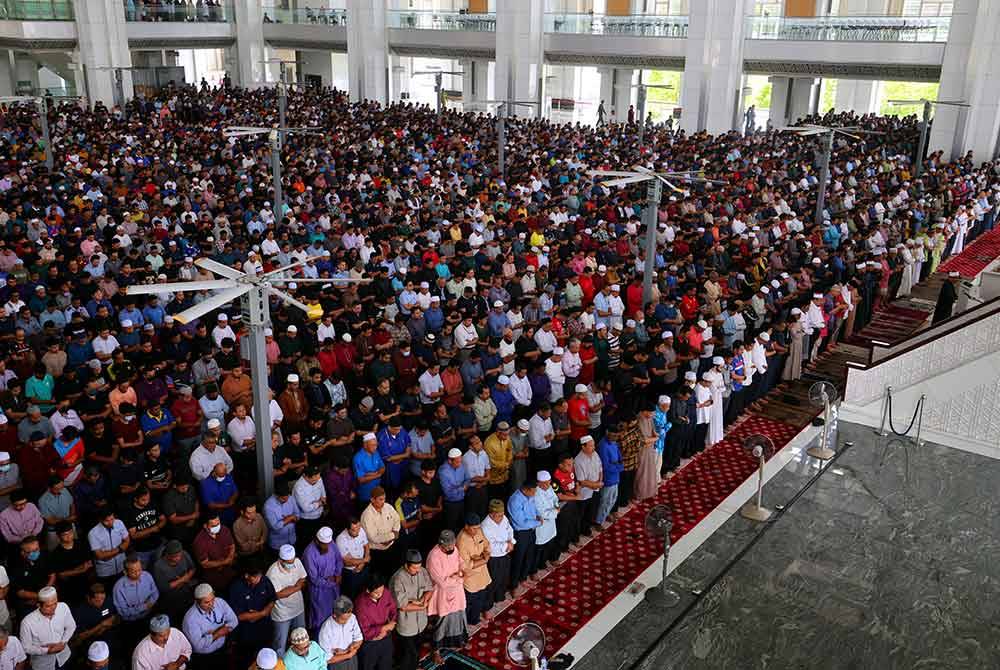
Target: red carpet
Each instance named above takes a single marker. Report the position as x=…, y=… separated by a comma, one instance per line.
x=574, y=592
x=975, y=257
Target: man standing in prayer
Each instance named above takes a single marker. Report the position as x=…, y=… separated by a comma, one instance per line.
x=412, y=588
x=444, y=564
x=46, y=632
x=947, y=298
x=323, y=564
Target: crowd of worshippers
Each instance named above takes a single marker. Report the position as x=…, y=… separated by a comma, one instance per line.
x=496, y=393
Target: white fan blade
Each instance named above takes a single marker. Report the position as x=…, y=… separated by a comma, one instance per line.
x=291, y=265
x=610, y=173
x=668, y=184
x=173, y=287
x=206, y=306
x=219, y=268
x=310, y=280
x=624, y=181
x=289, y=299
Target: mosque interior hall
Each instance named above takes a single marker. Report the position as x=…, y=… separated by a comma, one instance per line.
x=499, y=334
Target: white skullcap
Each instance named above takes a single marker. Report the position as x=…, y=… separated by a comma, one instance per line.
x=630, y=323
x=718, y=360
x=203, y=591
x=602, y=326
x=267, y=659
x=765, y=290
x=953, y=274
x=523, y=424
x=816, y=260
x=325, y=534
x=292, y=329
x=98, y=651
x=214, y=423
x=268, y=332
x=580, y=388
x=796, y=311
x=690, y=376
x=4, y=455
x=4, y=579
x=223, y=317
x=369, y=436
x=585, y=439
x=616, y=287
x=543, y=476
x=286, y=552
x=558, y=351
x=784, y=275
x=765, y=336
x=663, y=400
x=292, y=378
x=706, y=376
x=702, y=324
x=775, y=283
x=503, y=379
x=602, y=268
x=454, y=453
x=817, y=296
x=498, y=303
x=127, y=323
x=47, y=593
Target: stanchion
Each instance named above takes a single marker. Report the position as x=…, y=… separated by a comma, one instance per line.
x=761, y=448
x=885, y=410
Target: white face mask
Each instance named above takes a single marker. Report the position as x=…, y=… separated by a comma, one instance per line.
x=214, y=530
x=220, y=479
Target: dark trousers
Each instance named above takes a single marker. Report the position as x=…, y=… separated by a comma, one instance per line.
x=698, y=442
x=588, y=511
x=214, y=661
x=475, y=603
x=523, y=559
x=735, y=406
x=352, y=582
x=376, y=654
x=499, y=567
x=568, y=524
x=544, y=553
x=386, y=561
x=626, y=486
x=409, y=651
x=454, y=515
x=672, y=451
x=476, y=501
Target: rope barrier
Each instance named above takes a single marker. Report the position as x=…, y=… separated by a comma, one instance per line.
x=913, y=419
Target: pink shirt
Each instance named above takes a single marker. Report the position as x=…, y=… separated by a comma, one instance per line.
x=449, y=589
x=15, y=526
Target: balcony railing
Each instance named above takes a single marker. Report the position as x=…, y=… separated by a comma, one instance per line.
x=36, y=10
x=409, y=19
x=191, y=11
x=642, y=25
x=849, y=29
x=319, y=17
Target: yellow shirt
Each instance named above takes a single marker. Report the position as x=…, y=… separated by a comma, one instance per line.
x=380, y=526
x=474, y=547
x=501, y=453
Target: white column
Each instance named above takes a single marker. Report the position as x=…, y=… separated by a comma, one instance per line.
x=519, y=55
x=622, y=94
x=103, y=43
x=781, y=91
x=6, y=72
x=802, y=97
x=856, y=95
x=968, y=74
x=713, y=65
x=367, y=50
x=250, y=51
x=607, y=75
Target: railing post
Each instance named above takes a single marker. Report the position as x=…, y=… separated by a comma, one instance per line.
x=920, y=419
x=885, y=411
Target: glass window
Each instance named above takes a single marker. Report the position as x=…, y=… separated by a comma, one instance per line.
x=768, y=8
x=927, y=7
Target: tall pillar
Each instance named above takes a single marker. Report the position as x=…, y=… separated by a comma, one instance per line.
x=781, y=91
x=856, y=95
x=367, y=50
x=7, y=80
x=250, y=52
x=607, y=75
x=621, y=94
x=475, y=81
x=399, y=67
x=519, y=51
x=968, y=74
x=803, y=98
x=103, y=42
x=713, y=65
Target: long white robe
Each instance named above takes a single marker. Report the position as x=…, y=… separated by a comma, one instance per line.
x=906, y=281
x=715, y=422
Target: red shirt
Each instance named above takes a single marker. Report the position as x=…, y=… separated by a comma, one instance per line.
x=689, y=307
x=187, y=413
x=565, y=480
x=579, y=410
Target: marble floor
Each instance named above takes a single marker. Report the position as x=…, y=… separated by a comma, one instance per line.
x=889, y=561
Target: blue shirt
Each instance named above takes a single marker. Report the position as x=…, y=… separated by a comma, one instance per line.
x=497, y=323
x=522, y=511
x=214, y=492
x=453, y=482
x=393, y=445
x=315, y=659
x=248, y=598
x=505, y=403
x=199, y=625
x=274, y=513
x=611, y=461
x=365, y=464
x=148, y=423
x=132, y=599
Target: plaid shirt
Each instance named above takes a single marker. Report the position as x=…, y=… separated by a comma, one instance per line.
x=629, y=441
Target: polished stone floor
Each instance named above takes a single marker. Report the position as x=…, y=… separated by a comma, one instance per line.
x=890, y=561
